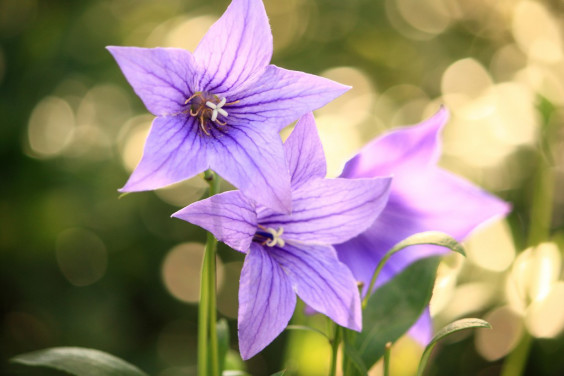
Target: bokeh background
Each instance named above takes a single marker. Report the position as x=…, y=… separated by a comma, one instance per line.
x=80, y=267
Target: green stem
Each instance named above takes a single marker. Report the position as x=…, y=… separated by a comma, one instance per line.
x=515, y=362
x=203, y=319
x=208, y=354
x=335, y=350
x=387, y=359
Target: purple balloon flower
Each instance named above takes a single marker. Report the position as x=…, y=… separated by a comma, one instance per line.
x=221, y=107
x=289, y=254
x=423, y=197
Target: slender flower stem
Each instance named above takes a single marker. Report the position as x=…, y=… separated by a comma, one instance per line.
x=387, y=359
x=207, y=323
x=335, y=350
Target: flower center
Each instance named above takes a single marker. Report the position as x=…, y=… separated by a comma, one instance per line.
x=207, y=108
x=269, y=236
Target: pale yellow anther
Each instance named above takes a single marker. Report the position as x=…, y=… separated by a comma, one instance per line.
x=276, y=237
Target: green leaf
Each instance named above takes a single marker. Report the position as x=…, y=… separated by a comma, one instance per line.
x=453, y=327
x=79, y=361
x=279, y=373
x=355, y=359
x=428, y=237
x=222, y=342
x=394, y=307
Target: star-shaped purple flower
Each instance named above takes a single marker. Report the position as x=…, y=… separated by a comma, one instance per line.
x=221, y=107
x=292, y=254
x=423, y=197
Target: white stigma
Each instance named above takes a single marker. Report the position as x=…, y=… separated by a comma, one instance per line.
x=217, y=108
x=276, y=237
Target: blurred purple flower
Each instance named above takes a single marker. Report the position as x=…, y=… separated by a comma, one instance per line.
x=423, y=197
x=221, y=107
x=292, y=254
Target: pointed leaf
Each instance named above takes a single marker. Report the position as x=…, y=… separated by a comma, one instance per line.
x=453, y=327
x=356, y=360
x=79, y=361
x=393, y=308
x=427, y=237
x=279, y=373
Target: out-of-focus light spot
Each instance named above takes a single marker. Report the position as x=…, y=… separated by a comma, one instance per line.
x=181, y=271
x=388, y=103
x=132, y=139
x=545, y=317
x=491, y=247
x=288, y=19
x=404, y=361
x=355, y=105
x=506, y=62
x=445, y=282
x=309, y=352
x=51, y=127
x=532, y=276
x=484, y=131
x=187, y=32
x=430, y=16
x=537, y=33
x=507, y=330
x=183, y=193
x=463, y=83
x=82, y=256
x=548, y=81
x=180, y=32
x=227, y=296
x=343, y=142
x=104, y=106
x=177, y=343
x=338, y=122
x=468, y=299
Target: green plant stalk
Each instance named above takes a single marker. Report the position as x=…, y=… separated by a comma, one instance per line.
x=335, y=350
x=387, y=359
x=208, y=353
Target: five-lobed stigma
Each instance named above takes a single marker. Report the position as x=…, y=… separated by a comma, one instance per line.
x=269, y=236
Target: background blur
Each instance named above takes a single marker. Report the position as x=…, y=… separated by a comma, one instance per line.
x=80, y=267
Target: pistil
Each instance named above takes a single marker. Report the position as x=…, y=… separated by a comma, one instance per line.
x=206, y=107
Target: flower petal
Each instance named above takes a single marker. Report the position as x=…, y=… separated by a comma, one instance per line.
x=230, y=216
x=428, y=200
x=281, y=96
x=330, y=211
x=322, y=282
x=161, y=77
x=174, y=151
x=236, y=49
x=422, y=330
x=304, y=152
x=409, y=147
x=266, y=301
x=253, y=161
